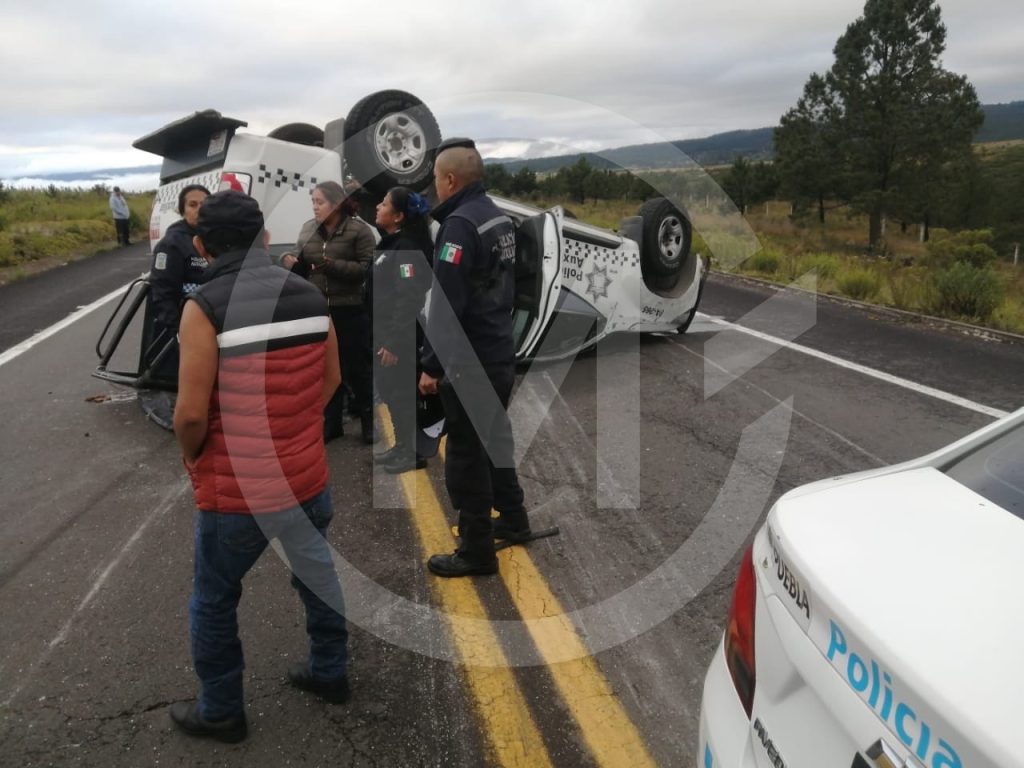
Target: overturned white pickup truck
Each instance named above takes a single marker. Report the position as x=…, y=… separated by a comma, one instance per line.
x=575, y=283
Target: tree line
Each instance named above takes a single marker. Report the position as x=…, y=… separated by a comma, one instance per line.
x=577, y=182
x=886, y=131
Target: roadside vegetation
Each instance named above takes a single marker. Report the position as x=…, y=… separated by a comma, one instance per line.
x=41, y=226
x=876, y=191
x=957, y=274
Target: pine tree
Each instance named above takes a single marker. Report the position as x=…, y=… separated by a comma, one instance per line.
x=886, y=115
x=808, y=150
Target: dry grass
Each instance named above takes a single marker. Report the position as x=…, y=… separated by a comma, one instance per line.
x=44, y=228
x=771, y=244
x=897, y=275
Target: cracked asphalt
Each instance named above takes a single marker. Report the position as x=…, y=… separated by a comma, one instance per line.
x=95, y=534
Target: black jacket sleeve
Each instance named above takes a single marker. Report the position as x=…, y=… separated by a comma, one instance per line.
x=166, y=277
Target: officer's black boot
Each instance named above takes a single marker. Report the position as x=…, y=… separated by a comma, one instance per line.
x=405, y=461
x=475, y=555
x=390, y=454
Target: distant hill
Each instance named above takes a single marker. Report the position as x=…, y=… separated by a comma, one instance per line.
x=1003, y=122
x=722, y=148
x=98, y=175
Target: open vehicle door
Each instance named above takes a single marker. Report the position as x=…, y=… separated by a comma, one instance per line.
x=150, y=370
x=538, y=279
x=154, y=371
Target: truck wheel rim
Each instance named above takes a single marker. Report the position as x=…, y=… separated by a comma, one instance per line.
x=670, y=239
x=400, y=142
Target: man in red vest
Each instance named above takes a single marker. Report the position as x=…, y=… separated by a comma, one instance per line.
x=258, y=361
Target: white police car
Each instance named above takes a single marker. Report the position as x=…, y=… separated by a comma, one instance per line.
x=575, y=283
x=876, y=620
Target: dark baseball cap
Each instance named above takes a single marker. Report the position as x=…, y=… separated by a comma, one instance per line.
x=430, y=425
x=230, y=216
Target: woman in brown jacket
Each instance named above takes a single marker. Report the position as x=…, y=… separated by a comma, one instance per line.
x=334, y=252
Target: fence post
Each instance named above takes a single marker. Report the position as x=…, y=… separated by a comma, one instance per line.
x=1016, y=253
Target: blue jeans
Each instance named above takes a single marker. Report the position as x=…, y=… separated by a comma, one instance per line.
x=226, y=547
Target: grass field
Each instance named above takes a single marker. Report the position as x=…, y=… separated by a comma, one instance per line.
x=834, y=258
x=42, y=228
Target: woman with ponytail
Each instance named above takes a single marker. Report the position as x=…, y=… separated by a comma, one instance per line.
x=400, y=279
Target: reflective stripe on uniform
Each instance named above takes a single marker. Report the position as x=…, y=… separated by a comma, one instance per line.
x=496, y=221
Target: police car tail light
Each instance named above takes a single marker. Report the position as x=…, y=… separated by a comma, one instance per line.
x=240, y=182
x=739, y=634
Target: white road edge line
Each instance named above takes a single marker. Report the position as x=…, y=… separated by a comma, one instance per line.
x=19, y=349
x=874, y=373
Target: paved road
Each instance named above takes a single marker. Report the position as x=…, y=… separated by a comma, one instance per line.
x=35, y=302
x=656, y=477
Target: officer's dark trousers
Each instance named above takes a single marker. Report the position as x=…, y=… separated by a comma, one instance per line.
x=480, y=474
x=352, y=326
x=397, y=386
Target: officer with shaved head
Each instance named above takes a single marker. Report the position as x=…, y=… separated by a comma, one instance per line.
x=469, y=358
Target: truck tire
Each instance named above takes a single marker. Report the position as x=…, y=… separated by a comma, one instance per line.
x=667, y=235
x=299, y=133
x=390, y=139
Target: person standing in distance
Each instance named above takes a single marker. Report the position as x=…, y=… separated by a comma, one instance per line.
x=122, y=216
x=469, y=359
x=258, y=361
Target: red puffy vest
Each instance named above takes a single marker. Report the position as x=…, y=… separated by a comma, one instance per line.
x=264, y=450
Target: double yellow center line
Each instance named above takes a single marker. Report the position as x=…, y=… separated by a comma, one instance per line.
x=508, y=725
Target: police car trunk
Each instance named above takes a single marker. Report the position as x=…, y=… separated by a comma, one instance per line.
x=204, y=148
x=874, y=624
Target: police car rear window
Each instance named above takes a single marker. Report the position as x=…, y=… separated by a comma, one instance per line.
x=996, y=471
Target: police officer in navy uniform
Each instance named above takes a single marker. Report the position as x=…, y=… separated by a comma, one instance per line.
x=469, y=359
x=176, y=272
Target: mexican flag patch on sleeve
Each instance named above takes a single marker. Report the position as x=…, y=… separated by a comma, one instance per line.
x=451, y=253
x=405, y=270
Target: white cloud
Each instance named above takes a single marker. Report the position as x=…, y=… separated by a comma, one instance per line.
x=91, y=77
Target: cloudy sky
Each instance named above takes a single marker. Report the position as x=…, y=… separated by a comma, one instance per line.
x=82, y=81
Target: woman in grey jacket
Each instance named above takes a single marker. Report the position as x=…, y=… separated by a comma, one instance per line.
x=334, y=252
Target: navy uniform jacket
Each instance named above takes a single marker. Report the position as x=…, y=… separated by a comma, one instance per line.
x=176, y=272
x=474, y=260
x=401, y=278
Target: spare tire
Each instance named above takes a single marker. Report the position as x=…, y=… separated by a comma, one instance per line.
x=390, y=139
x=299, y=133
x=667, y=235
